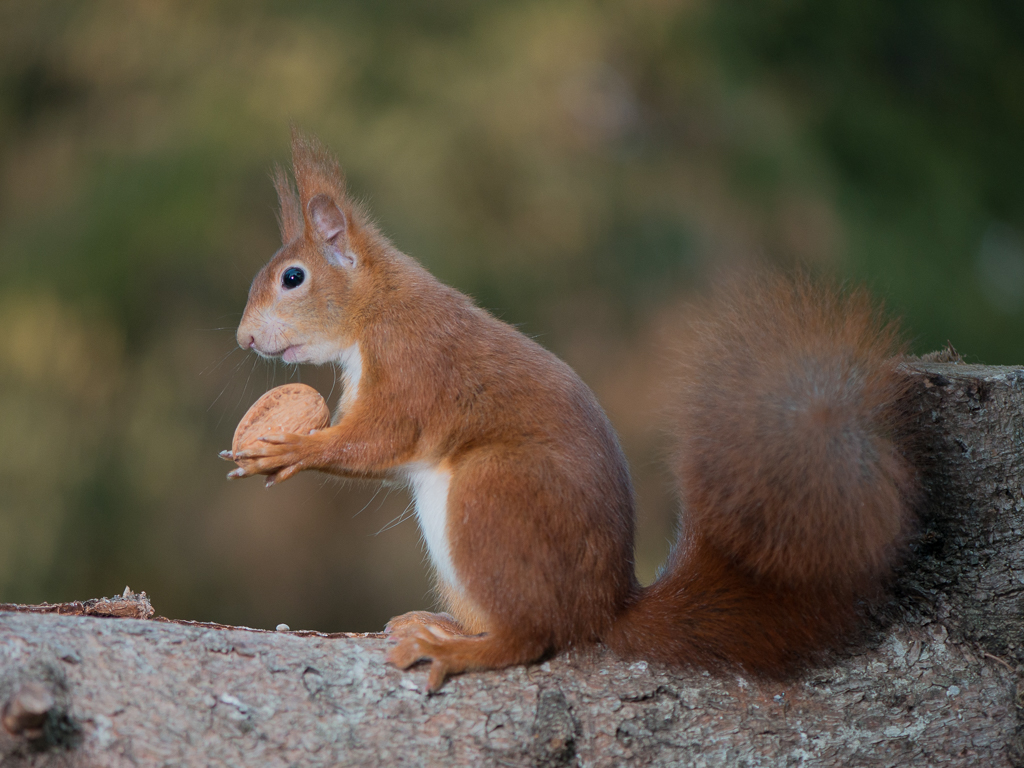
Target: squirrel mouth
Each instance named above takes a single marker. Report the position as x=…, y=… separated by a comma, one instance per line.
x=291, y=354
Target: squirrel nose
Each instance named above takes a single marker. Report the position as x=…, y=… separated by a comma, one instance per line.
x=246, y=341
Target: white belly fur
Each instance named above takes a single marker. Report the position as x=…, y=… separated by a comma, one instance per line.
x=351, y=362
x=429, y=486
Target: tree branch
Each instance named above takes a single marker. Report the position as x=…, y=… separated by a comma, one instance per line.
x=939, y=684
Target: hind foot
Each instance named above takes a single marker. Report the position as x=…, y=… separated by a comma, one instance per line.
x=450, y=654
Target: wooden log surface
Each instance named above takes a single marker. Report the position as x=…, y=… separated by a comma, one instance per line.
x=937, y=683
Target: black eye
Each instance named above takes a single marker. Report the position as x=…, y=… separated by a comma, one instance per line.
x=292, y=277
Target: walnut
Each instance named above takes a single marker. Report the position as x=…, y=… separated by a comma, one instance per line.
x=290, y=408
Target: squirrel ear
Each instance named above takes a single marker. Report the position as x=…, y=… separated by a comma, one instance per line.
x=331, y=225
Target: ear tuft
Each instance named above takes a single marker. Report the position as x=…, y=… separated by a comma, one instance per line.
x=316, y=169
x=330, y=225
x=290, y=217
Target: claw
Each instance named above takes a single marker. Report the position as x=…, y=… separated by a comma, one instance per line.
x=236, y=473
x=438, y=673
x=226, y=455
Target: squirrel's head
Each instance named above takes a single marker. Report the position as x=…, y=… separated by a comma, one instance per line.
x=301, y=303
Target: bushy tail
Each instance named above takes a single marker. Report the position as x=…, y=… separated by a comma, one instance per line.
x=796, y=494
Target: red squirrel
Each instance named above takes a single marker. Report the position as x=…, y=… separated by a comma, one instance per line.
x=795, y=489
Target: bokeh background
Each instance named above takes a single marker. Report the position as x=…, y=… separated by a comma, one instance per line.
x=582, y=168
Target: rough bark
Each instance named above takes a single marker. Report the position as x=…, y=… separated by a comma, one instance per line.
x=938, y=682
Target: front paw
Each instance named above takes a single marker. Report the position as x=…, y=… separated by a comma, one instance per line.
x=278, y=456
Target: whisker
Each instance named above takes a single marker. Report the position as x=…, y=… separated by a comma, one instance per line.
x=214, y=366
x=334, y=383
x=218, y=397
x=397, y=521
x=248, y=380
x=231, y=380
x=375, y=494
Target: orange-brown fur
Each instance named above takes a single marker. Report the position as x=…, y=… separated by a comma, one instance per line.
x=794, y=489
x=796, y=495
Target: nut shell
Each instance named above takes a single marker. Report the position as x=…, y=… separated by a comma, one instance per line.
x=288, y=409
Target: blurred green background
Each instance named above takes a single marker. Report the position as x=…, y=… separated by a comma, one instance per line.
x=581, y=168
